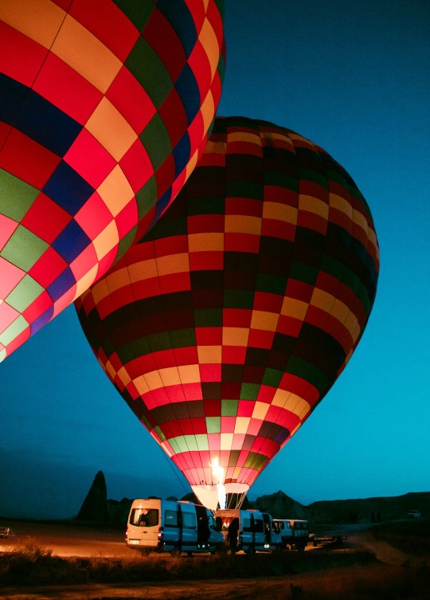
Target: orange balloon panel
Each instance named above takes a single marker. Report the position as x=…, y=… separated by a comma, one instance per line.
x=105, y=107
x=229, y=322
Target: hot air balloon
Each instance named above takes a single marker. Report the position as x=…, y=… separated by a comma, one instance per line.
x=232, y=318
x=105, y=107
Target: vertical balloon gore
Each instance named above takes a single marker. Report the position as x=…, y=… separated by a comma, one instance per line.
x=232, y=318
x=105, y=108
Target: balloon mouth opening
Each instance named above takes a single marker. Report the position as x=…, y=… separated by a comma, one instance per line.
x=210, y=496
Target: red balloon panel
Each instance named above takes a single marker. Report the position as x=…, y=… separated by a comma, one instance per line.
x=105, y=108
x=230, y=321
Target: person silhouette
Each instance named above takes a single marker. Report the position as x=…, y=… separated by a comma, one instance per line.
x=233, y=530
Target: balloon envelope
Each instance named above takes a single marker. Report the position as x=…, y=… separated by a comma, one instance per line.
x=105, y=106
x=229, y=322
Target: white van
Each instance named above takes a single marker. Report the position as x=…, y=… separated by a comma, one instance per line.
x=248, y=530
x=294, y=533
x=173, y=526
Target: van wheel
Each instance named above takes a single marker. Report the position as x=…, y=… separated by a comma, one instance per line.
x=251, y=550
x=175, y=551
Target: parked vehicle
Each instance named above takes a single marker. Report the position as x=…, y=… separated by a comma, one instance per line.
x=248, y=530
x=5, y=532
x=414, y=514
x=294, y=533
x=156, y=525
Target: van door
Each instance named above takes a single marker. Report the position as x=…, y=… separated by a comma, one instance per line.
x=144, y=523
x=203, y=531
x=189, y=528
x=171, y=527
x=246, y=533
x=216, y=538
x=301, y=534
x=259, y=534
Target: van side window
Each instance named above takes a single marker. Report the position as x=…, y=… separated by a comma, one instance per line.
x=211, y=522
x=170, y=518
x=258, y=525
x=189, y=521
x=247, y=523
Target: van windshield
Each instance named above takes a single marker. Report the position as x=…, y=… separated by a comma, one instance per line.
x=144, y=517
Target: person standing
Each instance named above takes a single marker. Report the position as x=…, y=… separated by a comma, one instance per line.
x=233, y=530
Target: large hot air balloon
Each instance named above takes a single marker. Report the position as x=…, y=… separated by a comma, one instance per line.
x=105, y=107
x=230, y=321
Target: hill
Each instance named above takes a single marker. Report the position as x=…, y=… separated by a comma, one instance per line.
x=279, y=505
x=360, y=510
x=367, y=510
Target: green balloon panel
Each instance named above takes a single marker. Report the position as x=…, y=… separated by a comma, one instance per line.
x=105, y=107
x=231, y=319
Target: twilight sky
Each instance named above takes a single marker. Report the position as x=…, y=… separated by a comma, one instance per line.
x=353, y=77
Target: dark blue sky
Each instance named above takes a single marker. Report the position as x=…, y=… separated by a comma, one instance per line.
x=353, y=77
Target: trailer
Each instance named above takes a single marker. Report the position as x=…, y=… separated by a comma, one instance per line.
x=327, y=538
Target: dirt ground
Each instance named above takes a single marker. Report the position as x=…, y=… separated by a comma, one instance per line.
x=68, y=540
x=192, y=590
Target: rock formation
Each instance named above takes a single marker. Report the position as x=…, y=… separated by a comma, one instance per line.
x=94, y=507
x=98, y=509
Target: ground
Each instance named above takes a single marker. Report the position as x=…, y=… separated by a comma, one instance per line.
x=77, y=540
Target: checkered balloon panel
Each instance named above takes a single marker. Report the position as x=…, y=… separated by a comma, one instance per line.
x=105, y=107
x=232, y=318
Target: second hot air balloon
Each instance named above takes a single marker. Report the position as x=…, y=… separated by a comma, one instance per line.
x=230, y=321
